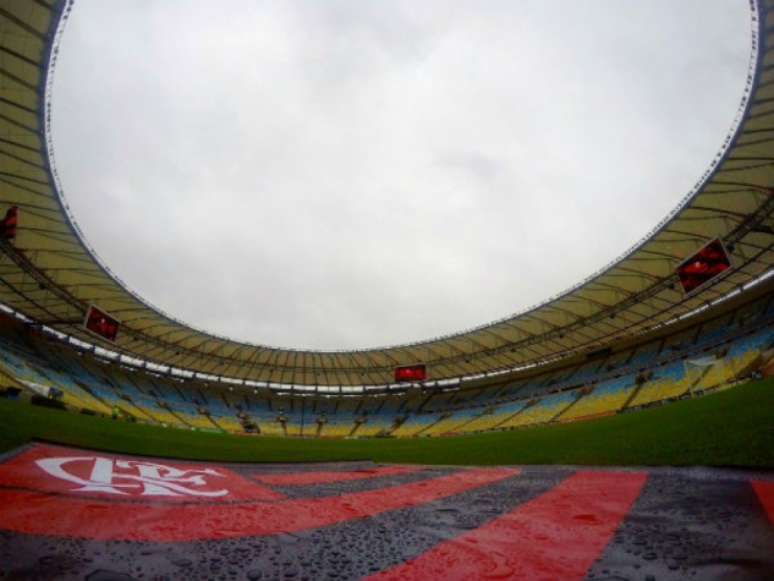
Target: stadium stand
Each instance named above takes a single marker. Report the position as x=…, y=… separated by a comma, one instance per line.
x=606, y=398
x=541, y=411
x=415, y=424
x=710, y=354
x=495, y=416
x=453, y=422
x=669, y=382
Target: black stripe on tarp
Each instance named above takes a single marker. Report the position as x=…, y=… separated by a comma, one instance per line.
x=246, y=469
x=348, y=550
x=700, y=524
x=354, y=486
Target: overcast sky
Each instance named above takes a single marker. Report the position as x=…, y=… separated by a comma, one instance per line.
x=355, y=173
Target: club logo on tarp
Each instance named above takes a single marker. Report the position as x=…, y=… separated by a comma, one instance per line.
x=132, y=477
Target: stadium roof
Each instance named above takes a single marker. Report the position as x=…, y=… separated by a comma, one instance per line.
x=50, y=274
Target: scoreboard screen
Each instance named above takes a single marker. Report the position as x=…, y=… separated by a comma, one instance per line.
x=410, y=373
x=100, y=323
x=703, y=266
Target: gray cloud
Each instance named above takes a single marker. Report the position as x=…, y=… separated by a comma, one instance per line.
x=349, y=174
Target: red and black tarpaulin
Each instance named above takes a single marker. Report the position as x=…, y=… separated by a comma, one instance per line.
x=75, y=514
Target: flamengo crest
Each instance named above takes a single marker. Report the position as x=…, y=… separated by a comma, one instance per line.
x=132, y=477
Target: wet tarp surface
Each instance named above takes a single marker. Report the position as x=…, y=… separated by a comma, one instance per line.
x=67, y=513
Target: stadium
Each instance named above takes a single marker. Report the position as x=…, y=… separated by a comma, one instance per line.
x=622, y=429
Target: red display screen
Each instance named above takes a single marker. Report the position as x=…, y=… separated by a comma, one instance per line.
x=101, y=323
x=408, y=373
x=703, y=266
x=9, y=223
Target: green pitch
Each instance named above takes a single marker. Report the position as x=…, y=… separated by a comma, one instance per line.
x=732, y=428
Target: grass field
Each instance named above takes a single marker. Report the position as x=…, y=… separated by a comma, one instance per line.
x=731, y=428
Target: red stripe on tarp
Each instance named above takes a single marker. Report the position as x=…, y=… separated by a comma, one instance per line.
x=307, y=478
x=68, y=516
x=557, y=535
x=765, y=493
